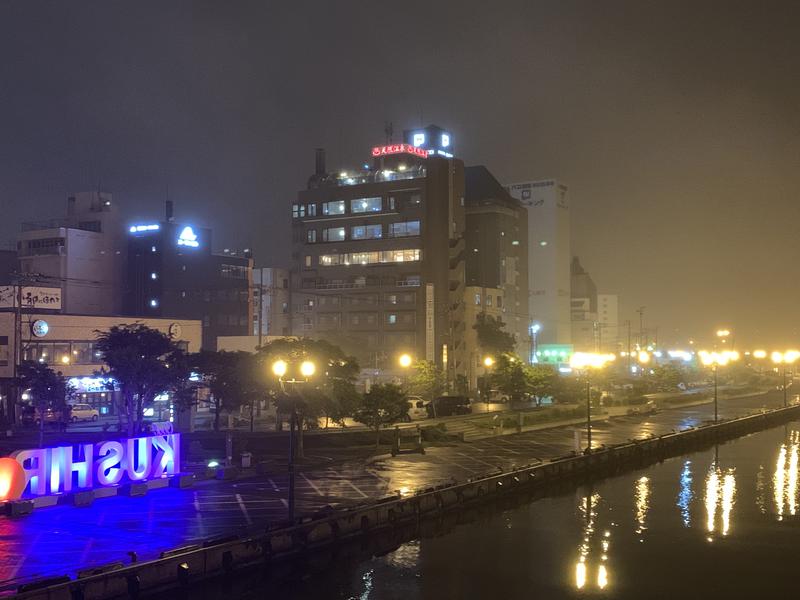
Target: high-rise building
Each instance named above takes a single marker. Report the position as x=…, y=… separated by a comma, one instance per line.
x=608, y=326
x=272, y=298
x=378, y=255
x=83, y=254
x=172, y=272
x=583, y=308
x=496, y=260
x=548, y=257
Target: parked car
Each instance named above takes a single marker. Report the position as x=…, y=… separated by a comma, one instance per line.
x=447, y=406
x=83, y=412
x=417, y=409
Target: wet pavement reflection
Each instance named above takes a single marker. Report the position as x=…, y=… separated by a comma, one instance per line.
x=705, y=525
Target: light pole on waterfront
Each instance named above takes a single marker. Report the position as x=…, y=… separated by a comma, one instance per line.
x=488, y=363
x=307, y=369
x=785, y=358
x=586, y=361
x=716, y=360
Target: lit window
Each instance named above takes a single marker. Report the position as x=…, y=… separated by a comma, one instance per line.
x=391, y=298
x=308, y=260
x=152, y=248
x=515, y=243
x=333, y=234
x=333, y=208
x=363, y=205
x=477, y=299
x=366, y=232
x=311, y=210
x=153, y=303
x=489, y=300
x=311, y=236
x=153, y=276
x=391, y=319
x=543, y=243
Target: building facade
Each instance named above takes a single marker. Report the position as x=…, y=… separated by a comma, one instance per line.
x=548, y=256
x=272, y=299
x=173, y=273
x=609, y=334
x=583, y=308
x=496, y=257
x=67, y=344
x=378, y=256
x=82, y=253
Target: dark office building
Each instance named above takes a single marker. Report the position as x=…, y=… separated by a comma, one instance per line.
x=172, y=272
x=378, y=255
x=497, y=251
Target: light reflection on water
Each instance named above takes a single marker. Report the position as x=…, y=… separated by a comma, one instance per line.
x=785, y=479
x=685, y=494
x=585, y=565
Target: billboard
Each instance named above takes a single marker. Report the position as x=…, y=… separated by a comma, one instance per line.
x=32, y=297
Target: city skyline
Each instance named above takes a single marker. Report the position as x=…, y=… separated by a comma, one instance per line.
x=670, y=125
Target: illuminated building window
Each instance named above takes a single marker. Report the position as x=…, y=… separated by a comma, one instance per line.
x=153, y=303
x=477, y=299
x=333, y=208
x=363, y=205
x=311, y=236
x=152, y=248
x=391, y=318
x=311, y=210
x=308, y=260
x=370, y=258
x=154, y=276
x=489, y=300
x=391, y=298
x=366, y=232
x=298, y=211
x=404, y=229
x=333, y=234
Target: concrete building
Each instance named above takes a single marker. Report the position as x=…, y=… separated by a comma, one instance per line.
x=83, y=253
x=378, y=255
x=548, y=256
x=272, y=299
x=496, y=259
x=173, y=273
x=583, y=308
x=609, y=335
x=66, y=342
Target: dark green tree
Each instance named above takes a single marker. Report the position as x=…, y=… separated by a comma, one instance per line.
x=234, y=379
x=511, y=376
x=48, y=391
x=665, y=378
x=384, y=404
x=427, y=380
x=145, y=363
x=492, y=337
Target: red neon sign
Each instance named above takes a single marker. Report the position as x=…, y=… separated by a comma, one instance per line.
x=399, y=149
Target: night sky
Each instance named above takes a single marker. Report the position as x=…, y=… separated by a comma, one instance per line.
x=675, y=126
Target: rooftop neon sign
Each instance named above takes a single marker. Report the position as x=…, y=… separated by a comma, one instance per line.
x=399, y=149
x=48, y=471
x=143, y=228
x=188, y=238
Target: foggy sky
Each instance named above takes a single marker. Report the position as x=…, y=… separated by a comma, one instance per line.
x=675, y=126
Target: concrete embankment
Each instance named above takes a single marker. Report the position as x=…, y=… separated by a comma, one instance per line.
x=185, y=566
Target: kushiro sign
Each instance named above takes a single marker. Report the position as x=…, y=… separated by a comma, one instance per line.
x=48, y=471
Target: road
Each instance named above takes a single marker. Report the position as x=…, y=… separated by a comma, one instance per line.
x=62, y=539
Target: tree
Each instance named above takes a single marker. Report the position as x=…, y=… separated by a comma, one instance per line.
x=145, y=363
x=511, y=376
x=330, y=392
x=233, y=378
x=543, y=380
x=48, y=391
x=427, y=380
x=492, y=338
x=665, y=378
x=384, y=404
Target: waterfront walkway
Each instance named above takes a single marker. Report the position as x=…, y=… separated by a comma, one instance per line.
x=64, y=539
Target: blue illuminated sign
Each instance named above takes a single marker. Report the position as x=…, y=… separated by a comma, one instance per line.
x=188, y=238
x=50, y=471
x=40, y=328
x=143, y=228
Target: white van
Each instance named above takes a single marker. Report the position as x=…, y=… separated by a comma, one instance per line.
x=417, y=408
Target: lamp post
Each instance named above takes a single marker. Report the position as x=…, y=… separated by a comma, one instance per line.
x=279, y=369
x=785, y=358
x=716, y=360
x=488, y=363
x=535, y=328
x=587, y=361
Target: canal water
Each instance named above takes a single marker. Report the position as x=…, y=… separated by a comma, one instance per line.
x=722, y=523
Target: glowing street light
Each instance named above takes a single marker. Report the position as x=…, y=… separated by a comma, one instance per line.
x=279, y=368
x=785, y=358
x=723, y=333
x=716, y=360
x=759, y=354
x=488, y=362
x=587, y=361
x=405, y=360
x=307, y=368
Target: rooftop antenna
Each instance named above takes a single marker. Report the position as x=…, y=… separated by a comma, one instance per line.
x=388, y=129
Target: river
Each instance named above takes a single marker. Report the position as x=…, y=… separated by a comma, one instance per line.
x=722, y=523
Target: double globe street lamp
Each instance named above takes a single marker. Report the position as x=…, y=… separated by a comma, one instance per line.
x=587, y=362
x=280, y=368
x=716, y=360
x=785, y=358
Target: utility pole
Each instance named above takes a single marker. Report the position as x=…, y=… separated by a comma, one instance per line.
x=628, y=323
x=640, y=312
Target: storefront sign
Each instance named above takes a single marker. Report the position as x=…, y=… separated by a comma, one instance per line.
x=32, y=297
x=399, y=149
x=48, y=471
x=188, y=238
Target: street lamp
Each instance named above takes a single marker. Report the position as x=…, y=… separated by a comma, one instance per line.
x=488, y=362
x=716, y=360
x=307, y=369
x=535, y=328
x=405, y=360
x=587, y=361
x=785, y=358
